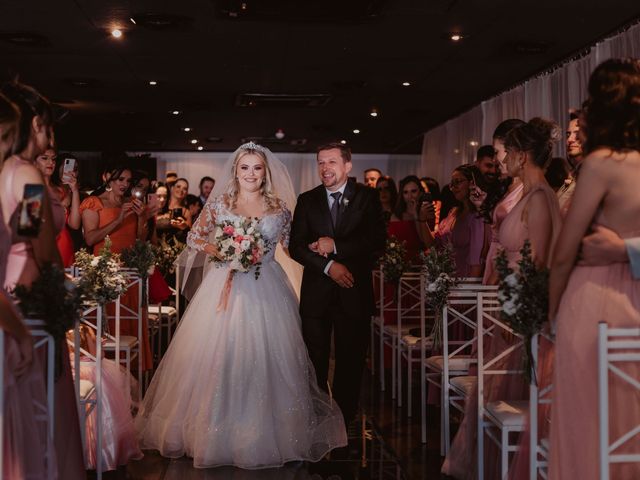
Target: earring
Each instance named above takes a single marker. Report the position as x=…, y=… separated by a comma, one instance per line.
x=108, y=188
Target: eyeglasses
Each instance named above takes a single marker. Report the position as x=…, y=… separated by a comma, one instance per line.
x=455, y=183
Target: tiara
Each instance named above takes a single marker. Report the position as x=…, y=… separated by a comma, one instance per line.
x=252, y=146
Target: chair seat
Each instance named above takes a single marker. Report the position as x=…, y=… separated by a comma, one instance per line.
x=511, y=413
x=459, y=363
x=413, y=341
x=86, y=389
x=125, y=341
x=464, y=384
x=162, y=310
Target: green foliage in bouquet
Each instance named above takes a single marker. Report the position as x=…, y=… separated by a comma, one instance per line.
x=142, y=259
x=102, y=280
x=54, y=298
x=394, y=262
x=439, y=267
x=524, y=296
x=166, y=254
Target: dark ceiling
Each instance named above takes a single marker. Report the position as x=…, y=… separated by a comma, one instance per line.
x=323, y=63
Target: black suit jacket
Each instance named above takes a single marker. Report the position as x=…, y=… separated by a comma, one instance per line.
x=359, y=238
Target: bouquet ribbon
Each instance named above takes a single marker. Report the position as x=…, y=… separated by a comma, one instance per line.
x=226, y=291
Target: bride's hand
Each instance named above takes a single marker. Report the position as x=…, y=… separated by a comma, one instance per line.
x=210, y=249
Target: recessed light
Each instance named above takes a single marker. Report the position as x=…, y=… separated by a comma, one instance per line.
x=200, y=148
x=456, y=37
x=186, y=129
x=175, y=112
x=406, y=84
x=343, y=142
x=194, y=141
x=116, y=33
x=153, y=83
x=132, y=20
x=374, y=112
x=356, y=131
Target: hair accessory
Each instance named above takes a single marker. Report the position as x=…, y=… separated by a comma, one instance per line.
x=253, y=146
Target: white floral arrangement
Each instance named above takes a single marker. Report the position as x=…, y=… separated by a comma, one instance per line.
x=101, y=278
x=439, y=268
x=166, y=254
x=240, y=245
x=524, y=296
x=394, y=262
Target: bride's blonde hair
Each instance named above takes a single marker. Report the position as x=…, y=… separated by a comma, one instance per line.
x=266, y=189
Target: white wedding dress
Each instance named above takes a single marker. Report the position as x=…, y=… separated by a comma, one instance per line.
x=237, y=387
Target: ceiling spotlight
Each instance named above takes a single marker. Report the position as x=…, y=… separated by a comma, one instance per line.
x=153, y=83
x=186, y=129
x=279, y=134
x=200, y=148
x=175, y=112
x=406, y=84
x=133, y=20
x=473, y=143
x=456, y=37
x=116, y=33
x=194, y=141
x=343, y=142
x=374, y=112
x=356, y=131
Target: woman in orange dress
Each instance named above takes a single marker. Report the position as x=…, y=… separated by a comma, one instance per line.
x=108, y=211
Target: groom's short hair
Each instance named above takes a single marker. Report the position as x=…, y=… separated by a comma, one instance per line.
x=345, y=152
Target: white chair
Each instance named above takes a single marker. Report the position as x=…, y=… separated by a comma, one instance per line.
x=617, y=347
x=539, y=452
x=502, y=417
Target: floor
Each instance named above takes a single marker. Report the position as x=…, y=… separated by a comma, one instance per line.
x=384, y=445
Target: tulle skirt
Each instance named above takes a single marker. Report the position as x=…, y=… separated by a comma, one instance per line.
x=236, y=386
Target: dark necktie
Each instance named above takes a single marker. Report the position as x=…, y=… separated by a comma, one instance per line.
x=335, y=208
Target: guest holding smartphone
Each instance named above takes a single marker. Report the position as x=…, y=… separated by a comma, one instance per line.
x=175, y=218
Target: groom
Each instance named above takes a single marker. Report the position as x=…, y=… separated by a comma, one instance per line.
x=337, y=234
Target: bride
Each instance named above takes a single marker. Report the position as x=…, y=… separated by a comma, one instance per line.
x=236, y=386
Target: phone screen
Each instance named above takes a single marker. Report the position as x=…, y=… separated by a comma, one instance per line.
x=30, y=217
x=69, y=165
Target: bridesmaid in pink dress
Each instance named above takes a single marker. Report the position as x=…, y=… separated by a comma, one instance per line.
x=580, y=296
x=26, y=255
x=25, y=442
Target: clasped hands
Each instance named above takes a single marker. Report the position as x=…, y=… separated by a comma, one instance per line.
x=337, y=271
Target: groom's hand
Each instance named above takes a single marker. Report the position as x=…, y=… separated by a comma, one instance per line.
x=341, y=275
x=326, y=246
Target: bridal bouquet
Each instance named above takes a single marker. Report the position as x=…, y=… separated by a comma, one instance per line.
x=394, y=262
x=102, y=279
x=240, y=244
x=439, y=268
x=524, y=296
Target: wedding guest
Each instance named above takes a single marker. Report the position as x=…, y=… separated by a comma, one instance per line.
x=485, y=161
x=574, y=157
x=27, y=255
x=194, y=205
x=109, y=211
x=463, y=228
x=607, y=193
x=558, y=173
x=371, y=176
x=432, y=187
x=174, y=220
x=170, y=178
x=64, y=196
x=206, y=187
x=448, y=201
x=405, y=217
x=388, y=196
x=24, y=443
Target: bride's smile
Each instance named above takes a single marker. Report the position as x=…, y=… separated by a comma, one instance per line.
x=251, y=173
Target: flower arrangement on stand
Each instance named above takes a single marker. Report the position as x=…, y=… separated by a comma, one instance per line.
x=141, y=258
x=102, y=280
x=54, y=298
x=524, y=296
x=394, y=262
x=439, y=268
x=166, y=254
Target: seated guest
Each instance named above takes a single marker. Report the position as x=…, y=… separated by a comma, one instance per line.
x=388, y=195
x=206, y=187
x=371, y=176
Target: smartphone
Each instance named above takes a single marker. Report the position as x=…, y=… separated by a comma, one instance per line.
x=69, y=165
x=31, y=206
x=137, y=193
x=176, y=213
x=152, y=200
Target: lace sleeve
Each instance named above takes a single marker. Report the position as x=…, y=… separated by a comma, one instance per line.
x=286, y=227
x=199, y=234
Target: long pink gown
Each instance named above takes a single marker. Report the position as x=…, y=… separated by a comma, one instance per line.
x=25, y=440
x=593, y=294
x=22, y=267
x=461, y=462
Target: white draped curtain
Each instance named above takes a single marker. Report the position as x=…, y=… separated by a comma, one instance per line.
x=550, y=95
x=302, y=166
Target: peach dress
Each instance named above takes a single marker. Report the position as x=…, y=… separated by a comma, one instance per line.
x=123, y=237
x=593, y=294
